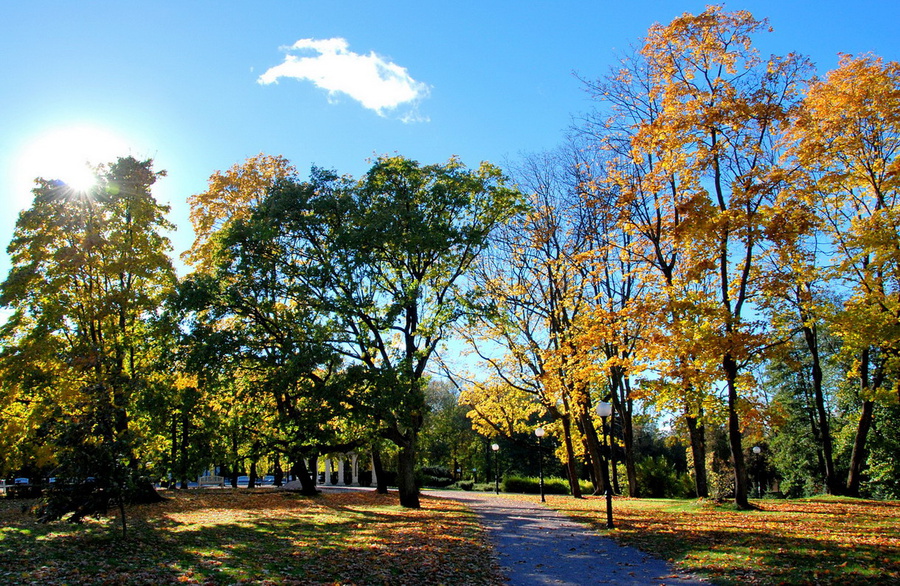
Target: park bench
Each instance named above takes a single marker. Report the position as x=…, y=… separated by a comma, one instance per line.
x=210, y=481
x=17, y=488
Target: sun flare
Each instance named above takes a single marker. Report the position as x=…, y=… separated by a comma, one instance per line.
x=68, y=154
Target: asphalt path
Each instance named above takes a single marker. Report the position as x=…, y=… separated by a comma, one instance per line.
x=535, y=545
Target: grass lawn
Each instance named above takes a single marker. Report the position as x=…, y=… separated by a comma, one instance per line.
x=808, y=541
x=253, y=536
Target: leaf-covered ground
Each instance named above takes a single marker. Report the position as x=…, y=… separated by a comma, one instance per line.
x=253, y=536
x=809, y=541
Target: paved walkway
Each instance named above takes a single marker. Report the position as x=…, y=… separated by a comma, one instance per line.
x=536, y=545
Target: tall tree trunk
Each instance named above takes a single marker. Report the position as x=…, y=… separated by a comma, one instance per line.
x=832, y=485
x=279, y=473
x=592, y=442
x=624, y=406
x=570, y=457
x=183, y=465
x=252, y=481
x=305, y=476
x=236, y=463
x=314, y=467
x=173, y=478
x=741, y=492
x=858, y=457
x=697, y=435
x=378, y=467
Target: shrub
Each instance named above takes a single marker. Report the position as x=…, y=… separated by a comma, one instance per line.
x=434, y=477
x=531, y=485
x=721, y=484
x=435, y=482
x=657, y=478
x=437, y=472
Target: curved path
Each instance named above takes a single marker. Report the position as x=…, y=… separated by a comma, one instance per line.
x=536, y=545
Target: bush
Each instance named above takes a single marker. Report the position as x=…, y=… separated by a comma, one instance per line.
x=721, y=484
x=437, y=472
x=531, y=485
x=434, y=477
x=657, y=478
x=465, y=484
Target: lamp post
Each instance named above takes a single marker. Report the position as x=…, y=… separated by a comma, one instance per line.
x=757, y=451
x=539, y=432
x=496, y=448
x=604, y=410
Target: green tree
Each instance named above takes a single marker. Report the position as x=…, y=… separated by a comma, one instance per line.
x=88, y=270
x=448, y=439
x=276, y=339
x=386, y=258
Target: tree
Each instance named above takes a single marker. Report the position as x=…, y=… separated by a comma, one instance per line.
x=534, y=298
x=845, y=142
x=88, y=270
x=722, y=108
x=231, y=196
x=448, y=439
x=386, y=258
x=643, y=201
x=275, y=339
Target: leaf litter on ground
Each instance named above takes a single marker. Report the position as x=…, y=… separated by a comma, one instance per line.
x=254, y=536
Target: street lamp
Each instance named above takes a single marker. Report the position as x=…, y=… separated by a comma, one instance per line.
x=539, y=432
x=604, y=410
x=496, y=448
x=757, y=451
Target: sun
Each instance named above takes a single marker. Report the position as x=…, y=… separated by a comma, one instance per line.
x=68, y=154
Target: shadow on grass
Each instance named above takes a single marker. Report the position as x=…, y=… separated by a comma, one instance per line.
x=779, y=543
x=277, y=538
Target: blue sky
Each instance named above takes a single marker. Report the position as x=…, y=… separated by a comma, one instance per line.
x=201, y=85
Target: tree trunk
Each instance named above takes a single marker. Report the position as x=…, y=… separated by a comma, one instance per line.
x=279, y=473
x=121, y=503
x=832, y=485
x=406, y=473
x=173, y=474
x=598, y=459
x=377, y=466
x=570, y=458
x=858, y=458
x=698, y=454
x=183, y=465
x=741, y=493
x=307, y=482
x=145, y=493
x=625, y=407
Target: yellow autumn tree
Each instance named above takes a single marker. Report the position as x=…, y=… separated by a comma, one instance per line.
x=722, y=107
x=231, y=196
x=532, y=289
x=845, y=143
x=643, y=200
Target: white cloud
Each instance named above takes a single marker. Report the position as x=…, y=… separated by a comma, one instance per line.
x=374, y=82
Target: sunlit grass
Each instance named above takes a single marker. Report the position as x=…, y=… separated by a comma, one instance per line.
x=808, y=541
x=268, y=537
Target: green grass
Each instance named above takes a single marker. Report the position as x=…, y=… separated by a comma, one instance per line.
x=808, y=541
x=264, y=537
